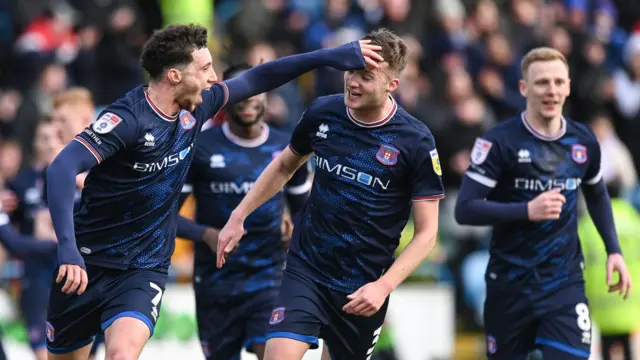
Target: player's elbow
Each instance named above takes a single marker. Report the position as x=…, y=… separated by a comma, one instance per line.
x=462, y=213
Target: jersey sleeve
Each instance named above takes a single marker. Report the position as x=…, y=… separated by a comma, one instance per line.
x=300, y=183
x=115, y=129
x=301, y=137
x=593, y=174
x=426, y=183
x=213, y=101
x=486, y=161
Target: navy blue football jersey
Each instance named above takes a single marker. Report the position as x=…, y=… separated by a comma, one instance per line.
x=128, y=210
x=519, y=164
x=366, y=177
x=28, y=186
x=224, y=169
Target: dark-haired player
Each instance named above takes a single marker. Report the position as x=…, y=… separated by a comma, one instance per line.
x=137, y=153
x=233, y=304
x=524, y=179
x=374, y=164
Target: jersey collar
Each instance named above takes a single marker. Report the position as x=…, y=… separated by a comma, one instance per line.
x=380, y=122
x=157, y=110
x=246, y=143
x=563, y=129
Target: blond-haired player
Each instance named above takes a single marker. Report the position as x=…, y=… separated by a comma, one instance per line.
x=523, y=180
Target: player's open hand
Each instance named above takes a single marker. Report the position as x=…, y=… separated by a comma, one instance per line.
x=546, y=206
x=615, y=263
x=228, y=239
x=369, y=52
x=76, y=279
x=368, y=299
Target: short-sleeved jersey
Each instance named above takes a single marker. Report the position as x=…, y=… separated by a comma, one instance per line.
x=519, y=164
x=224, y=169
x=366, y=177
x=128, y=210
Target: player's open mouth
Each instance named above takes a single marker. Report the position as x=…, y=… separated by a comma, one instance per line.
x=353, y=95
x=550, y=102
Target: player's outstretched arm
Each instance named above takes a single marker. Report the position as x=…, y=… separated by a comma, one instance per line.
x=272, y=179
x=367, y=300
x=425, y=221
x=195, y=232
x=352, y=56
x=599, y=207
x=189, y=230
x=61, y=186
x=23, y=246
x=472, y=207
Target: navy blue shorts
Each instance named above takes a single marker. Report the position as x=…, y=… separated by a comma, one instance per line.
x=517, y=324
x=306, y=311
x=227, y=324
x=73, y=320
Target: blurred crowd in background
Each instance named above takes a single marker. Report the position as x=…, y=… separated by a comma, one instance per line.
x=462, y=77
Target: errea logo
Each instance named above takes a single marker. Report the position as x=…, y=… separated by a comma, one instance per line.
x=322, y=131
x=149, y=140
x=524, y=156
x=217, y=161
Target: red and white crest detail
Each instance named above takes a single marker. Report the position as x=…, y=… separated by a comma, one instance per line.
x=579, y=153
x=480, y=151
x=106, y=123
x=277, y=316
x=187, y=121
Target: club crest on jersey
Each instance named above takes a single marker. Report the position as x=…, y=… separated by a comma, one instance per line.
x=277, y=315
x=187, y=120
x=579, y=153
x=480, y=151
x=492, y=346
x=107, y=122
x=50, y=331
x=435, y=162
x=387, y=154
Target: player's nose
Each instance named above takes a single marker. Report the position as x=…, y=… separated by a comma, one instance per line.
x=213, y=78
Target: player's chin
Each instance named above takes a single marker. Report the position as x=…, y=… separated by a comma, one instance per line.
x=351, y=102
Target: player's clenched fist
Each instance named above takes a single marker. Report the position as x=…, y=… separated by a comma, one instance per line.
x=228, y=238
x=546, y=206
x=77, y=279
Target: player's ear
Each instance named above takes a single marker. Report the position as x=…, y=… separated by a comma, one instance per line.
x=174, y=76
x=393, y=85
x=522, y=84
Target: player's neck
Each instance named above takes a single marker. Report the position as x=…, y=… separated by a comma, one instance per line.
x=246, y=132
x=548, y=128
x=162, y=97
x=373, y=115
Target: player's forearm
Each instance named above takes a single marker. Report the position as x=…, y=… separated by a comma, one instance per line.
x=61, y=186
x=189, y=230
x=410, y=258
x=472, y=208
x=23, y=246
x=269, y=183
x=599, y=206
x=276, y=73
